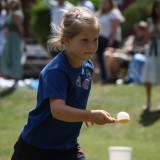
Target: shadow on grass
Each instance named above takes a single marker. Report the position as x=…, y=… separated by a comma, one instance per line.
x=149, y=117
x=7, y=92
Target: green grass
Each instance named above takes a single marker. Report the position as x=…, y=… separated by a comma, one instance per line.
x=142, y=133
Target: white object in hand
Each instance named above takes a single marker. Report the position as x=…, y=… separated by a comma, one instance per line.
x=123, y=117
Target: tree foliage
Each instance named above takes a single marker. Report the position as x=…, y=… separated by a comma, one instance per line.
x=39, y=25
x=135, y=12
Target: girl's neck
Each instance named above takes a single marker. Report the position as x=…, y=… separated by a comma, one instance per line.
x=73, y=61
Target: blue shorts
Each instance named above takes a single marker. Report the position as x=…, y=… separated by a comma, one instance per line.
x=23, y=151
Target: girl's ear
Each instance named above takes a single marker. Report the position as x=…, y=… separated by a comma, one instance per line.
x=66, y=40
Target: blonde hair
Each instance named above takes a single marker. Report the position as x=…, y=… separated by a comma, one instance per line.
x=74, y=22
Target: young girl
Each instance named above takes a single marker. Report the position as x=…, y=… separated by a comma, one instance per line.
x=64, y=84
x=151, y=74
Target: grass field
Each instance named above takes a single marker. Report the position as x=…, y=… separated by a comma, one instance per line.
x=142, y=133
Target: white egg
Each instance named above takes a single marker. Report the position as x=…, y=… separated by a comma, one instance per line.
x=123, y=115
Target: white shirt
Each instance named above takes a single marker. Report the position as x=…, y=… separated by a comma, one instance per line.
x=105, y=21
x=87, y=4
x=57, y=10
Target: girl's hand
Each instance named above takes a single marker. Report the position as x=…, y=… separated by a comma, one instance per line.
x=101, y=117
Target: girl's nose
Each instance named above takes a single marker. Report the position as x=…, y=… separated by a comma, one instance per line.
x=91, y=45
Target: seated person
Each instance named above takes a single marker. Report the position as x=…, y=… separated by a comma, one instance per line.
x=116, y=59
x=134, y=72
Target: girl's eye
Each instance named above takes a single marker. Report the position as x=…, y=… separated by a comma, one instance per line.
x=85, y=40
x=95, y=39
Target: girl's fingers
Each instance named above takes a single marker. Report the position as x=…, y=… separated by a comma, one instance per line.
x=92, y=123
x=114, y=120
x=87, y=123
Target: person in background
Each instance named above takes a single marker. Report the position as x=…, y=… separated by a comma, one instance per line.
x=54, y=124
x=3, y=15
x=110, y=18
x=88, y=4
x=56, y=10
x=140, y=46
x=13, y=47
x=151, y=73
x=56, y=13
x=118, y=60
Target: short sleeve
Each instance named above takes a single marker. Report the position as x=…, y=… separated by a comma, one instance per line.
x=55, y=84
x=116, y=14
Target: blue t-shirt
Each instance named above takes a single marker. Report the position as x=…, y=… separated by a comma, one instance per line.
x=61, y=81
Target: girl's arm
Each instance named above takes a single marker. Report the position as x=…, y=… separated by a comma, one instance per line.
x=115, y=24
x=69, y=114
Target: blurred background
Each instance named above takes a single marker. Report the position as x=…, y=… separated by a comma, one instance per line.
x=37, y=27
x=37, y=16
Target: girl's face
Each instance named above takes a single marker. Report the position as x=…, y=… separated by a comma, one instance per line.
x=105, y=5
x=83, y=46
